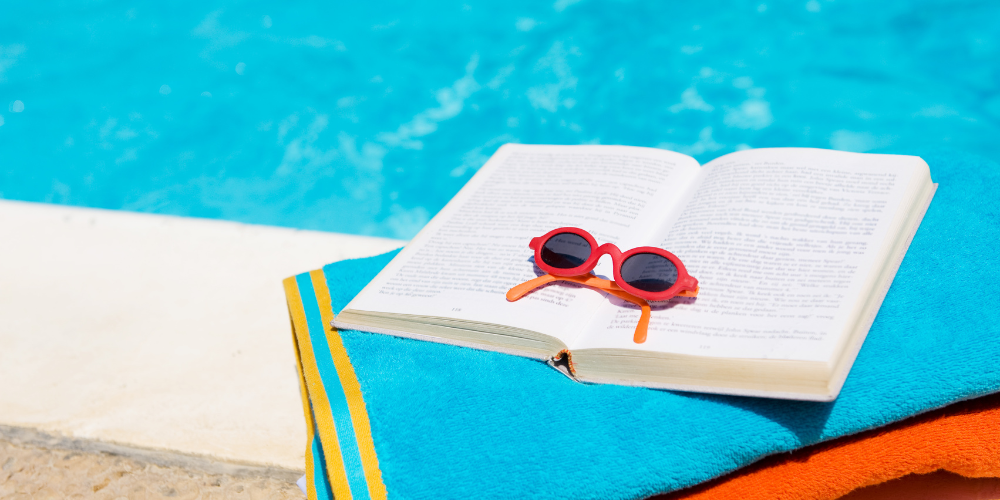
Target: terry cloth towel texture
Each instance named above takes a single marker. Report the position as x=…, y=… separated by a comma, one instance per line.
x=415, y=419
x=963, y=438
x=940, y=485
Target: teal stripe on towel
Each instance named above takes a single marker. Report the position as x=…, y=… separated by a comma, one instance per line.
x=323, y=490
x=334, y=391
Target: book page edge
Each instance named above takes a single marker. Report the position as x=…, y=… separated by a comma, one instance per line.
x=707, y=389
x=438, y=340
x=840, y=377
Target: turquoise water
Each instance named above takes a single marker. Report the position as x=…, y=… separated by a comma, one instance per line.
x=367, y=117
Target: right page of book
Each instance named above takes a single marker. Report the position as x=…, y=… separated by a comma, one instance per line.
x=782, y=242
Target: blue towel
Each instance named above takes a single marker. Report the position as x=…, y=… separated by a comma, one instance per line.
x=417, y=419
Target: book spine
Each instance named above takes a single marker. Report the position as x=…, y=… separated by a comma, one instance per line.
x=563, y=361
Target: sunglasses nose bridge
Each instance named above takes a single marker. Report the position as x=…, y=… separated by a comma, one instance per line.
x=609, y=249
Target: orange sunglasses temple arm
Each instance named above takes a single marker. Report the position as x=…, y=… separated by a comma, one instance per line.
x=590, y=280
x=643, y=325
x=521, y=290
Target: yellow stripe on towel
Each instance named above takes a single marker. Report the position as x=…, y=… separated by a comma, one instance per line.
x=352, y=390
x=306, y=407
x=320, y=409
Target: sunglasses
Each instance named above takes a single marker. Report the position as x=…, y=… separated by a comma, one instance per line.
x=641, y=274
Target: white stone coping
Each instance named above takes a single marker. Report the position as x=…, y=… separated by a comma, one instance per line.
x=156, y=332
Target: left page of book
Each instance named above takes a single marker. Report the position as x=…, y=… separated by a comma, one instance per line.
x=463, y=262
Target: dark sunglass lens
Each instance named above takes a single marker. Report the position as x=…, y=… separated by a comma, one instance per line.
x=649, y=272
x=565, y=251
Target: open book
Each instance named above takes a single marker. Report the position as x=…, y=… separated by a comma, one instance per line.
x=794, y=250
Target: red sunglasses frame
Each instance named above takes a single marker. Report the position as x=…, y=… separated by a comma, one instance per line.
x=685, y=282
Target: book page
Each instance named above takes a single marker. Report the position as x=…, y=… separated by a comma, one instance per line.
x=782, y=242
x=464, y=261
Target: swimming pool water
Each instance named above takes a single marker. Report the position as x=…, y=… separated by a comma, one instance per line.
x=366, y=117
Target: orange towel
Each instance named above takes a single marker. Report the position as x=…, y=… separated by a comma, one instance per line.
x=940, y=485
x=963, y=438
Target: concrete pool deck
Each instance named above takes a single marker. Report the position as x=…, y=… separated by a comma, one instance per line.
x=156, y=334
